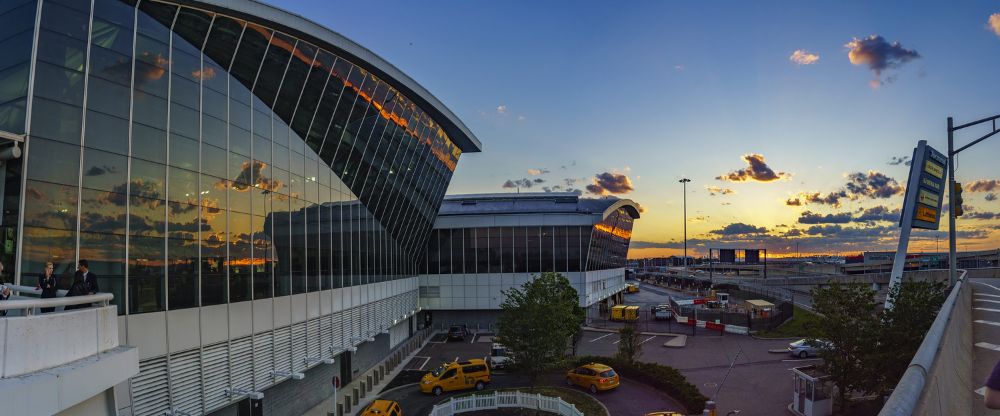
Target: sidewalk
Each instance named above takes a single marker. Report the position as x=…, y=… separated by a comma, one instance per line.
x=985, y=337
x=393, y=365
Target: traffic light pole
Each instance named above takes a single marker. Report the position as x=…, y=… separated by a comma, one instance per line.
x=952, y=202
x=952, y=261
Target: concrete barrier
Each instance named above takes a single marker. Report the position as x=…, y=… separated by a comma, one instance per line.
x=938, y=381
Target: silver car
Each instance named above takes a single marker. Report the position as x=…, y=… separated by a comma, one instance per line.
x=805, y=348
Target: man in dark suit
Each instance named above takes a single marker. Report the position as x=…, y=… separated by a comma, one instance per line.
x=84, y=283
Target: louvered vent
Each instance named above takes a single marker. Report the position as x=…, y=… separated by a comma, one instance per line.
x=326, y=334
x=352, y=323
x=339, y=340
x=313, y=337
x=283, y=349
x=241, y=351
x=263, y=362
x=215, y=363
x=298, y=345
x=185, y=381
x=149, y=388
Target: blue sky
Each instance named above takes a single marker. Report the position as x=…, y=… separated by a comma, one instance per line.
x=654, y=91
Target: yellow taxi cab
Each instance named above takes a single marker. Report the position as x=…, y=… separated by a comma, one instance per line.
x=594, y=377
x=382, y=407
x=459, y=375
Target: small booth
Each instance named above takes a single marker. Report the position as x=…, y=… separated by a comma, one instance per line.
x=760, y=308
x=812, y=392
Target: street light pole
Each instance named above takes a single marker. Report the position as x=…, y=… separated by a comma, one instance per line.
x=684, y=183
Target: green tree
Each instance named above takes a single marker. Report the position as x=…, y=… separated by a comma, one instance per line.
x=902, y=329
x=849, y=326
x=629, y=348
x=537, y=322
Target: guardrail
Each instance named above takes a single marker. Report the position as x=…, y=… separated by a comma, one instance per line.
x=505, y=399
x=937, y=377
x=28, y=305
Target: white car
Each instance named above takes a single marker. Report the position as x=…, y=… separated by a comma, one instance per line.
x=805, y=348
x=500, y=357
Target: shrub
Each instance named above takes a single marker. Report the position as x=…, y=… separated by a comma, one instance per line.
x=662, y=377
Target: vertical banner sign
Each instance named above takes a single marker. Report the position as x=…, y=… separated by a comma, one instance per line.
x=921, y=203
x=924, y=203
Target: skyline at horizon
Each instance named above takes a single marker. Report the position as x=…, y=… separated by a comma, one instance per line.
x=794, y=121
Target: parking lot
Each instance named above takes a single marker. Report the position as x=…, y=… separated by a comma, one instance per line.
x=628, y=399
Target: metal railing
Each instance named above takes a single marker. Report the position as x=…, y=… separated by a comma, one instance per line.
x=28, y=305
x=505, y=399
x=920, y=376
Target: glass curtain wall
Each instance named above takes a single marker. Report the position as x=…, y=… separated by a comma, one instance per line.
x=532, y=249
x=196, y=158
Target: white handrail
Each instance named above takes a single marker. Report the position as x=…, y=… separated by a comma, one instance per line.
x=501, y=399
x=29, y=304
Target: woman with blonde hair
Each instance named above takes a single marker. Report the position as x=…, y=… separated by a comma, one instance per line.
x=47, y=283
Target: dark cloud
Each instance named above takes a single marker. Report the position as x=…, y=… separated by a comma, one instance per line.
x=878, y=213
x=824, y=229
x=902, y=160
x=758, y=170
x=608, y=183
x=739, y=228
x=100, y=170
x=832, y=198
x=991, y=196
x=794, y=232
x=520, y=183
x=718, y=190
x=982, y=185
x=793, y=202
x=878, y=55
x=980, y=215
x=873, y=185
x=809, y=217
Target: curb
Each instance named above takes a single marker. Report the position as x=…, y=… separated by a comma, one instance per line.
x=396, y=388
x=664, y=334
x=775, y=339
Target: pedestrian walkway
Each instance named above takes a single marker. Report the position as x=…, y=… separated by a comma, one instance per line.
x=985, y=337
x=416, y=343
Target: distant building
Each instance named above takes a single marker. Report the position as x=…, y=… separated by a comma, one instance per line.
x=484, y=244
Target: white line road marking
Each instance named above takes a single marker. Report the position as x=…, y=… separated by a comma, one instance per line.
x=987, y=309
x=602, y=336
x=980, y=321
x=647, y=339
x=987, y=294
x=456, y=359
x=981, y=391
x=988, y=346
x=988, y=285
x=426, y=359
x=473, y=338
x=986, y=300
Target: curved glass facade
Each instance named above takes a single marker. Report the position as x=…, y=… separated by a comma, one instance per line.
x=196, y=158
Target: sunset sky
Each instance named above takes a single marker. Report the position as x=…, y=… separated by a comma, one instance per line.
x=789, y=117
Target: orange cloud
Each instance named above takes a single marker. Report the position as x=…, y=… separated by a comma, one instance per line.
x=803, y=57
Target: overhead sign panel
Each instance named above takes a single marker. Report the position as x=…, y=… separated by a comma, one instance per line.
x=925, y=195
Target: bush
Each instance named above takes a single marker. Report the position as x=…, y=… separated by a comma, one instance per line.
x=662, y=377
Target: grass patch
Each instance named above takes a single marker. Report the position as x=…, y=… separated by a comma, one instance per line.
x=802, y=325
x=583, y=401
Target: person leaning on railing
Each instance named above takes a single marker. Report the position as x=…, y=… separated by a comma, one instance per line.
x=47, y=284
x=84, y=283
x=4, y=295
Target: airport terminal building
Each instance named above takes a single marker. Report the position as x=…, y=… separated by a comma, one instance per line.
x=254, y=189
x=484, y=244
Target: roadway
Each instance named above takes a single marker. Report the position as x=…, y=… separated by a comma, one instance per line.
x=985, y=337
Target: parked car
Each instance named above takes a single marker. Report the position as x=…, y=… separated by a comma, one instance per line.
x=804, y=348
x=500, y=357
x=662, y=312
x=452, y=376
x=458, y=332
x=382, y=407
x=594, y=377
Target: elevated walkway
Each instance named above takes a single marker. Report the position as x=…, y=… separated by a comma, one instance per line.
x=62, y=362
